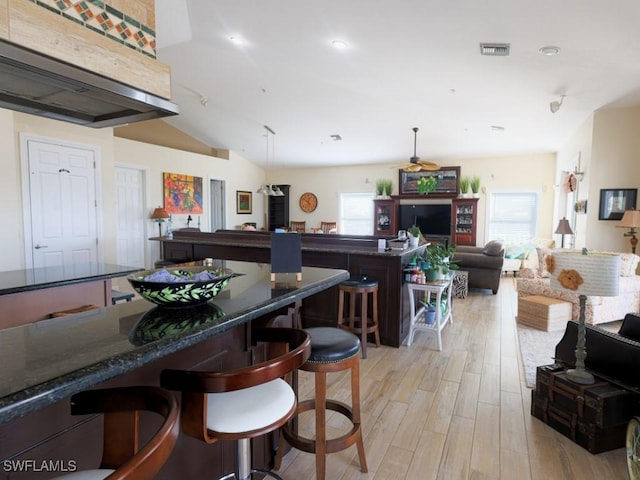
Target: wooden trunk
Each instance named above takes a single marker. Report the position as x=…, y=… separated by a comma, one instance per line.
x=594, y=416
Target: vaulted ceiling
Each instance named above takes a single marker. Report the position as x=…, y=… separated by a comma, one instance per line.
x=238, y=65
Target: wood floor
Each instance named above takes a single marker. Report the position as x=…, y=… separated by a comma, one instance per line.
x=462, y=413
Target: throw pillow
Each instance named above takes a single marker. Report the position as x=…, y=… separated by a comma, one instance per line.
x=494, y=248
x=630, y=327
x=543, y=253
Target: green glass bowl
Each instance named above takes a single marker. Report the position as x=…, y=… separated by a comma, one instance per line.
x=180, y=294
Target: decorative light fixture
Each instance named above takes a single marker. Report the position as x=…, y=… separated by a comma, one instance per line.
x=631, y=220
x=563, y=229
x=555, y=105
x=159, y=215
x=584, y=274
x=267, y=188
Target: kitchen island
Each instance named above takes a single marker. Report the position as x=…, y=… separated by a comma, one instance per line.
x=357, y=254
x=33, y=294
x=44, y=363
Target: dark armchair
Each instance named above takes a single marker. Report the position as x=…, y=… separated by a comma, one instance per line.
x=484, y=264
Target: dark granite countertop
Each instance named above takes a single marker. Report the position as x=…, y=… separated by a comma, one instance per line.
x=17, y=281
x=44, y=362
x=346, y=246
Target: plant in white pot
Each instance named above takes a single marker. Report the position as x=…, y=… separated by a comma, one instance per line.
x=414, y=236
x=464, y=186
x=475, y=186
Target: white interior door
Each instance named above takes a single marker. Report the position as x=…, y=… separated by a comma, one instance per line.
x=130, y=216
x=63, y=205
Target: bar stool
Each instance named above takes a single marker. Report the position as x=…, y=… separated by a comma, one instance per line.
x=122, y=457
x=364, y=324
x=332, y=350
x=243, y=403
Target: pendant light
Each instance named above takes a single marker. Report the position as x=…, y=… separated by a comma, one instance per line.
x=267, y=188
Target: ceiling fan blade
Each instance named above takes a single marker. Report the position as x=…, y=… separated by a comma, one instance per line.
x=412, y=167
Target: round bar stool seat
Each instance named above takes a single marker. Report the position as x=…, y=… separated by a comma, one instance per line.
x=363, y=324
x=332, y=350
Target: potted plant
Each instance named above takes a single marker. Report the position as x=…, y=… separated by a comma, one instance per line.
x=429, y=312
x=414, y=236
x=441, y=260
x=388, y=187
x=379, y=188
x=427, y=184
x=384, y=188
x=464, y=186
x=475, y=186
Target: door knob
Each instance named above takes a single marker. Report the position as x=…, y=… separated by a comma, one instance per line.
x=37, y=247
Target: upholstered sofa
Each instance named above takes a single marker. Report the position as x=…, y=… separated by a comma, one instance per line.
x=534, y=280
x=484, y=264
x=614, y=355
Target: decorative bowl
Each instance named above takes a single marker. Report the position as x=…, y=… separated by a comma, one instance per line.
x=162, y=288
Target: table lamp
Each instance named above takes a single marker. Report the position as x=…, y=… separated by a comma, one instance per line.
x=584, y=274
x=563, y=229
x=159, y=215
x=631, y=220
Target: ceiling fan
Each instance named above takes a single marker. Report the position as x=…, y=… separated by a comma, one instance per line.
x=415, y=164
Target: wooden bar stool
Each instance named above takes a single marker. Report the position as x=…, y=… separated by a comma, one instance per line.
x=332, y=350
x=243, y=403
x=363, y=324
x=122, y=456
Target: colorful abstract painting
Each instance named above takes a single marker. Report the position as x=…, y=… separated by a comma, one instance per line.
x=182, y=193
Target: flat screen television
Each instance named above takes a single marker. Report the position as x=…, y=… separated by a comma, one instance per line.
x=432, y=219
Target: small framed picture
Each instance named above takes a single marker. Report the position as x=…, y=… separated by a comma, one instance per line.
x=580, y=207
x=243, y=201
x=614, y=201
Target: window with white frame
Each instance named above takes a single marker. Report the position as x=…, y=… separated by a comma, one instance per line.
x=356, y=214
x=512, y=216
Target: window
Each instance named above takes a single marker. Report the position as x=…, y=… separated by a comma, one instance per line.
x=356, y=214
x=512, y=217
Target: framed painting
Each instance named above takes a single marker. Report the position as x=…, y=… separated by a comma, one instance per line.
x=182, y=193
x=243, y=201
x=614, y=201
x=447, y=186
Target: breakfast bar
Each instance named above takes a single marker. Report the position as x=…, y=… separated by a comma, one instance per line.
x=44, y=363
x=359, y=255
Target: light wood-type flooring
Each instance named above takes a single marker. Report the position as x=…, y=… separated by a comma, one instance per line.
x=462, y=413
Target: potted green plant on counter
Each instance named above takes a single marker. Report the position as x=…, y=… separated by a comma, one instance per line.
x=414, y=236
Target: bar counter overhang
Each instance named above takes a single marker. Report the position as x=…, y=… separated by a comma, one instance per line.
x=44, y=363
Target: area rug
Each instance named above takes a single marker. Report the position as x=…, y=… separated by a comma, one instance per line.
x=538, y=347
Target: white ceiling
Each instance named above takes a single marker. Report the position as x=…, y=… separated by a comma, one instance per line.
x=409, y=63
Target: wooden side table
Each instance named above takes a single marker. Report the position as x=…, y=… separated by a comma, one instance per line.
x=441, y=289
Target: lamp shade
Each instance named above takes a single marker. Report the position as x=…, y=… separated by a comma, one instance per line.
x=630, y=219
x=159, y=213
x=563, y=227
x=585, y=274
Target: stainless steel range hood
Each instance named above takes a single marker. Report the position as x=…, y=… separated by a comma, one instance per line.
x=33, y=83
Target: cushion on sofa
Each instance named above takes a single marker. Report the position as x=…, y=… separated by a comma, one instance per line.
x=519, y=251
x=494, y=248
x=630, y=327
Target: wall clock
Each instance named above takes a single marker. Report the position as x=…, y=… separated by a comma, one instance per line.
x=308, y=202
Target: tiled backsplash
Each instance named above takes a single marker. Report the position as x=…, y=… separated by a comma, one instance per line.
x=105, y=20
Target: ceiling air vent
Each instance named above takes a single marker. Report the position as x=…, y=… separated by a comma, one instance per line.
x=495, y=49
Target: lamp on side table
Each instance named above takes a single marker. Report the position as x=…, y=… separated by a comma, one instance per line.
x=585, y=274
x=159, y=215
x=631, y=220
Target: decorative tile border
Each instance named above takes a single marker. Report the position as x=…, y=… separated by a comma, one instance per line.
x=105, y=20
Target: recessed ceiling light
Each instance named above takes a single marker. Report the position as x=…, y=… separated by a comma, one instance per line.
x=336, y=137
x=550, y=50
x=339, y=44
x=237, y=40
x=497, y=128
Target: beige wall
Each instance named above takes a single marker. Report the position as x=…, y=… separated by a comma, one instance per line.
x=238, y=173
x=498, y=174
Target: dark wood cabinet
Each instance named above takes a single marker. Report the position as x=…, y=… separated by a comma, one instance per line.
x=385, y=217
x=465, y=218
x=279, y=209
